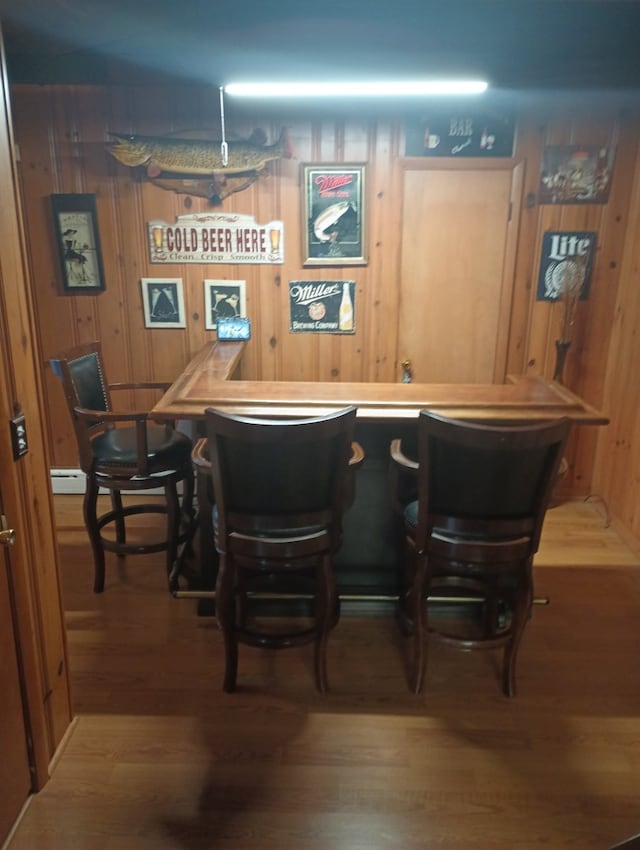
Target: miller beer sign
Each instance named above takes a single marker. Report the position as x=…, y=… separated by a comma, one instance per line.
x=216, y=238
x=566, y=262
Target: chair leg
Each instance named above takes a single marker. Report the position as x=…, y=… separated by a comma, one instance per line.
x=520, y=616
x=187, y=495
x=325, y=620
x=419, y=616
x=116, y=506
x=226, y=616
x=91, y=524
x=173, y=524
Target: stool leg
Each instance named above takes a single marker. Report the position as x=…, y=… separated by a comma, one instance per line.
x=419, y=616
x=326, y=613
x=519, y=618
x=91, y=524
x=116, y=505
x=187, y=494
x=173, y=524
x=226, y=616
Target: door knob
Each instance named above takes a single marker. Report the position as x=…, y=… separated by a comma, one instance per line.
x=7, y=535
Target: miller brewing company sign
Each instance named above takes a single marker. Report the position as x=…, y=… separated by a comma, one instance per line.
x=216, y=238
x=322, y=306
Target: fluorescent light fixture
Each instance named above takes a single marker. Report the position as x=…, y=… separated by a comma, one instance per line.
x=357, y=89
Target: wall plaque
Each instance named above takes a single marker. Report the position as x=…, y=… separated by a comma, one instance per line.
x=322, y=306
x=216, y=238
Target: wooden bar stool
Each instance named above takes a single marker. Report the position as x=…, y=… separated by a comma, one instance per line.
x=124, y=452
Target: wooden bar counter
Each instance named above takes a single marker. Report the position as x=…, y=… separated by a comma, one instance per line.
x=205, y=383
x=366, y=566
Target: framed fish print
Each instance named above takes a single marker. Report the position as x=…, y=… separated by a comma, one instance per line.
x=333, y=215
x=78, y=240
x=223, y=299
x=163, y=302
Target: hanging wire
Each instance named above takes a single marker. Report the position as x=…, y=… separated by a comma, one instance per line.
x=224, y=147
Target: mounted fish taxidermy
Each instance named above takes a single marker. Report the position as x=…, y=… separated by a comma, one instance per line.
x=196, y=166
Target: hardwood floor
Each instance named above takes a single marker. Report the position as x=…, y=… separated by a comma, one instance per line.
x=161, y=758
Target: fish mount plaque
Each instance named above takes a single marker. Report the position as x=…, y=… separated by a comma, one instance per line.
x=195, y=166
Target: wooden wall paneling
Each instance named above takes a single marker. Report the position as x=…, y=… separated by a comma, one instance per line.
x=383, y=280
x=160, y=352
x=617, y=460
x=331, y=142
x=592, y=329
x=267, y=285
x=528, y=150
x=507, y=290
x=68, y=165
x=33, y=122
x=359, y=147
x=298, y=353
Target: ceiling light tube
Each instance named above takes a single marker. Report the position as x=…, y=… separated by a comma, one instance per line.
x=357, y=89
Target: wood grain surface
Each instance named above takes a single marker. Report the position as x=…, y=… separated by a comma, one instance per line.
x=160, y=758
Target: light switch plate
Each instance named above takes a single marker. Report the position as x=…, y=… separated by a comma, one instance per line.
x=18, y=428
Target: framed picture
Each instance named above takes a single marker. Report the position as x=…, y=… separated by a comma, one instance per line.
x=78, y=240
x=333, y=215
x=163, y=302
x=223, y=299
x=576, y=174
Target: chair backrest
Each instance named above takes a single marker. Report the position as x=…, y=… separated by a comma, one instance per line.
x=85, y=386
x=486, y=481
x=275, y=474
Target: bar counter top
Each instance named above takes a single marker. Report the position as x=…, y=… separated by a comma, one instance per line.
x=206, y=382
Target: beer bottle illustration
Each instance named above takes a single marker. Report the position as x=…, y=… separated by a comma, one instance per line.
x=345, y=316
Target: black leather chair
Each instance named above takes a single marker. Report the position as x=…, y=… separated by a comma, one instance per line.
x=124, y=451
x=281, y=487
x=482, y=494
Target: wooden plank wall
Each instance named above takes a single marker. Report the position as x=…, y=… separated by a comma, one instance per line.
x=617, y=467
x=62, y=133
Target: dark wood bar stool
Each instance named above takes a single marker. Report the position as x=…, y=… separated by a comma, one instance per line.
x=482, y=494
x=281, y=487
x=122, y=452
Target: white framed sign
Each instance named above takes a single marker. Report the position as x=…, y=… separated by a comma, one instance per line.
x=224, y=299
x=216, y=238
x=163, y=302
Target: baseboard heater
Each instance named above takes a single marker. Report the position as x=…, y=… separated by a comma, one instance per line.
x=67, y=481
x=73, y=481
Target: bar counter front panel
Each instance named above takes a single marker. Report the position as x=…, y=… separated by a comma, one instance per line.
x=367, y=564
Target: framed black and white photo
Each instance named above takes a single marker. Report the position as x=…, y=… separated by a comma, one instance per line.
x=223, y=299
x=333, y=215
x=163, y=302
x=78, y=241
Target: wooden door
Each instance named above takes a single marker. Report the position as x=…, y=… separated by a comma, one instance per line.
x=15, y=778
x=32, y=639
x=457, y=230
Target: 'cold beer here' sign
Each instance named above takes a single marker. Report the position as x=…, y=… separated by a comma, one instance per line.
x=216, y=238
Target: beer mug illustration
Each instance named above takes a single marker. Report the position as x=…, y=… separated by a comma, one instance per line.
x=157, y=233
x=274, y=241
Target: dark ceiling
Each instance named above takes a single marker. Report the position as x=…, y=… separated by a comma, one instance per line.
x=515, y=44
